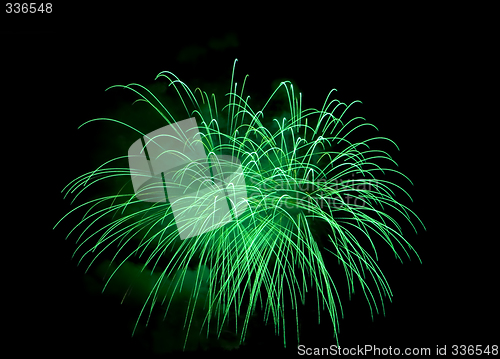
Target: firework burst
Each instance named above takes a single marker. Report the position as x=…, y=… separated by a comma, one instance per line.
x=284, y=179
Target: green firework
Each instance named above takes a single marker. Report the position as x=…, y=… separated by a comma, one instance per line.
x=311, y=191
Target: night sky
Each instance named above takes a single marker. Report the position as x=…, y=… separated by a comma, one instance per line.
x=400, y=70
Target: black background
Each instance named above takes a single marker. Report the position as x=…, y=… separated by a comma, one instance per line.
x=411, y=73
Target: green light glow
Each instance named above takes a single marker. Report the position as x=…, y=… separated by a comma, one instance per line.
x=303, y=174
